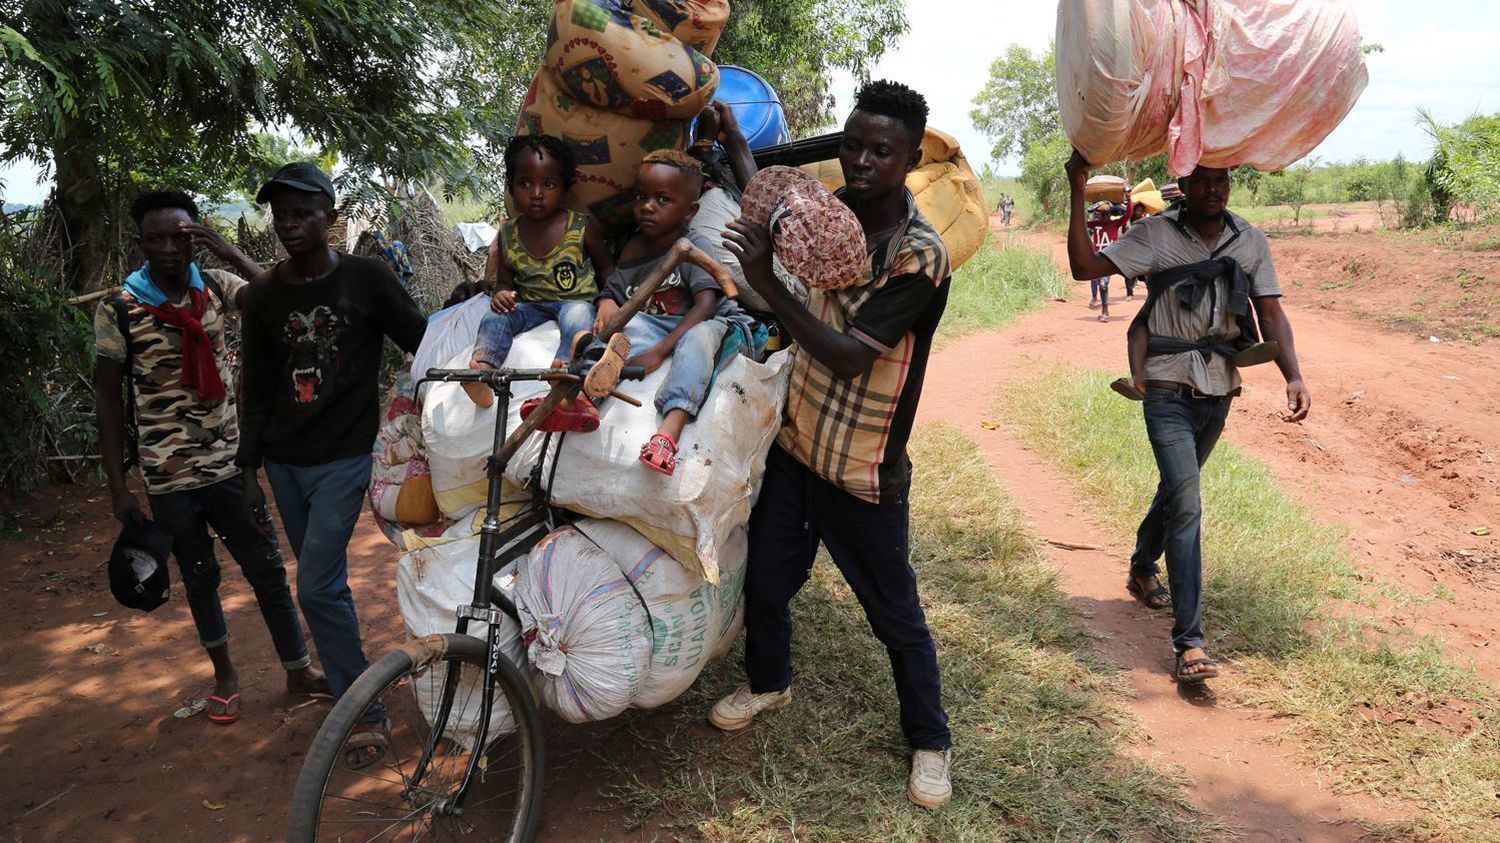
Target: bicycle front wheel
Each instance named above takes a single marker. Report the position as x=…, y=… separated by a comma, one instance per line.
x=344, y=795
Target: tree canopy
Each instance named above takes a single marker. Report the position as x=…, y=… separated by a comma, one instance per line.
x=797, y=44
x=1018, y=105
x=116, y=92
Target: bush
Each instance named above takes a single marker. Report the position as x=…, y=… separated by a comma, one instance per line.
x=46, y=395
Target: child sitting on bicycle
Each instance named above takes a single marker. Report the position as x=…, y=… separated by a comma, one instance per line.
x=688, y=318
x=549, y=257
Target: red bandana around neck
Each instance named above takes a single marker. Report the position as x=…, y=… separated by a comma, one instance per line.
x=200, y=369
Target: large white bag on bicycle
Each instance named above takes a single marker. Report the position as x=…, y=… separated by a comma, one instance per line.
x=431, y=583
x=692, y=621
x=450, y=332
x=588, y=636
x=691, y=514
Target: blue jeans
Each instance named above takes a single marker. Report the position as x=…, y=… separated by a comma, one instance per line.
x=693, y=360
x=870, y=544
x=1183, y=432
x=319, y=506
x=498, y=330
x=189, y=515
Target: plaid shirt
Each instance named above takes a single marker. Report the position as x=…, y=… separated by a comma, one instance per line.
x=852, y=432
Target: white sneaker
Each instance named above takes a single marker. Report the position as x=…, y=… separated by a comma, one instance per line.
x=739, y=709
x=929, y=785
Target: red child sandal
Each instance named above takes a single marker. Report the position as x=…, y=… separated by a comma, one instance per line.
x=229, y=709
x=660, y=454
x=578, y=416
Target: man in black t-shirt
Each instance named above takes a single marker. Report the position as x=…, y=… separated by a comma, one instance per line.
x=312, y=335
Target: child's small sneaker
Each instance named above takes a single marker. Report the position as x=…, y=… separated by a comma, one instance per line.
x=930, y=785
x=740, y=708
x=1254, y=355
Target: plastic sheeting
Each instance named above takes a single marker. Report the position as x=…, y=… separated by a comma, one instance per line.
x=1257, y=82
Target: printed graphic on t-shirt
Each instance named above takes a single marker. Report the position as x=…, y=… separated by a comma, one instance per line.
x=315, y=351
x=670, y=299
x=565, y=276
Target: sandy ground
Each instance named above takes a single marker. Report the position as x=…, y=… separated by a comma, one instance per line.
x=1400, y=449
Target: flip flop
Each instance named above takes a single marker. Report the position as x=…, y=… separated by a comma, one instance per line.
x=375, y=737
x=578, y=416
x=660, y=454
x=1127, y=389
x=1103, y=318
x=1158, y=599
x=1254, y=355
x=230, y=709
x=605, y=374
x=1195, y=678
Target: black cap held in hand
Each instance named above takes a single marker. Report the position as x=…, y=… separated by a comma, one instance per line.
x=138, y=566
x=298, y=175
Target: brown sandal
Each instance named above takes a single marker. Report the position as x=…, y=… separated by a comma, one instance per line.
x=1127, y=389
x=603, y=375
x=1158, y=599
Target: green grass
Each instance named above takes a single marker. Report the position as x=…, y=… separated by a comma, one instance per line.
x=1376, y=710
x=998, y=284
x=1037, y=729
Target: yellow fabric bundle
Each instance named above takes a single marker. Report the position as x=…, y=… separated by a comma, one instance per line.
x=947, y=192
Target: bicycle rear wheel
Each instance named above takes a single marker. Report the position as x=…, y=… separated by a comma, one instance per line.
x=336, y=800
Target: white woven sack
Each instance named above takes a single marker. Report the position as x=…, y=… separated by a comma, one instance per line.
x=692, y=622
x=431, y=583
x=587, y=632
x=721, y=455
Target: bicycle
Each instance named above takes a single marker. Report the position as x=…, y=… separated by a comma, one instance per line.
x=460, y=773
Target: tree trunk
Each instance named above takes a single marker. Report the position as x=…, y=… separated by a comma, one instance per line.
x=80, y=201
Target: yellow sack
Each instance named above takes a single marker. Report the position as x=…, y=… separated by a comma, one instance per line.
x=629, y=63
x=697, y=23
x=948, y=194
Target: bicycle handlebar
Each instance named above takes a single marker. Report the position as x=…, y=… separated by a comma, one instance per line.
x=493, y=376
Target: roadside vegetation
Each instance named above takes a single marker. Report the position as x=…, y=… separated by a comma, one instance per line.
x=1377, y=711
x=1040, y=740
x=1001, y=282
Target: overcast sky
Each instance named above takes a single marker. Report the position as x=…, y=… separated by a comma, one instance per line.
x=1439, y=54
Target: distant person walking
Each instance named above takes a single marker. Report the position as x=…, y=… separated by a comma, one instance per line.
x=1006, y=206
x=1105, y=225
x=1204, y=266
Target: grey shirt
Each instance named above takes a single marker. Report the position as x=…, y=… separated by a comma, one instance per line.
x=1161, y=242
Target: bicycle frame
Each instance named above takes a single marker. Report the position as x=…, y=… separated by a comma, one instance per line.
x=492, y=540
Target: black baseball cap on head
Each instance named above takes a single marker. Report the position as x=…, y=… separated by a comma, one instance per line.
x=138, y=566
x=298, y=175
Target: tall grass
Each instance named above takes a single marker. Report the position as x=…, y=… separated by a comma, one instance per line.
x=997, y=285
x=1377, y=711
x=1037, y=730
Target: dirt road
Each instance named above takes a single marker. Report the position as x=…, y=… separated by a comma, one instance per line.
x=1400, y=448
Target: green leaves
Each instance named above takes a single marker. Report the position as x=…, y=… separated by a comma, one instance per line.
x=1018, y=105
x=797, y=44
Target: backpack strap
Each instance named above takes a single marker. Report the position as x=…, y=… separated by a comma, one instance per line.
x=132, y=431
x=216, y=288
